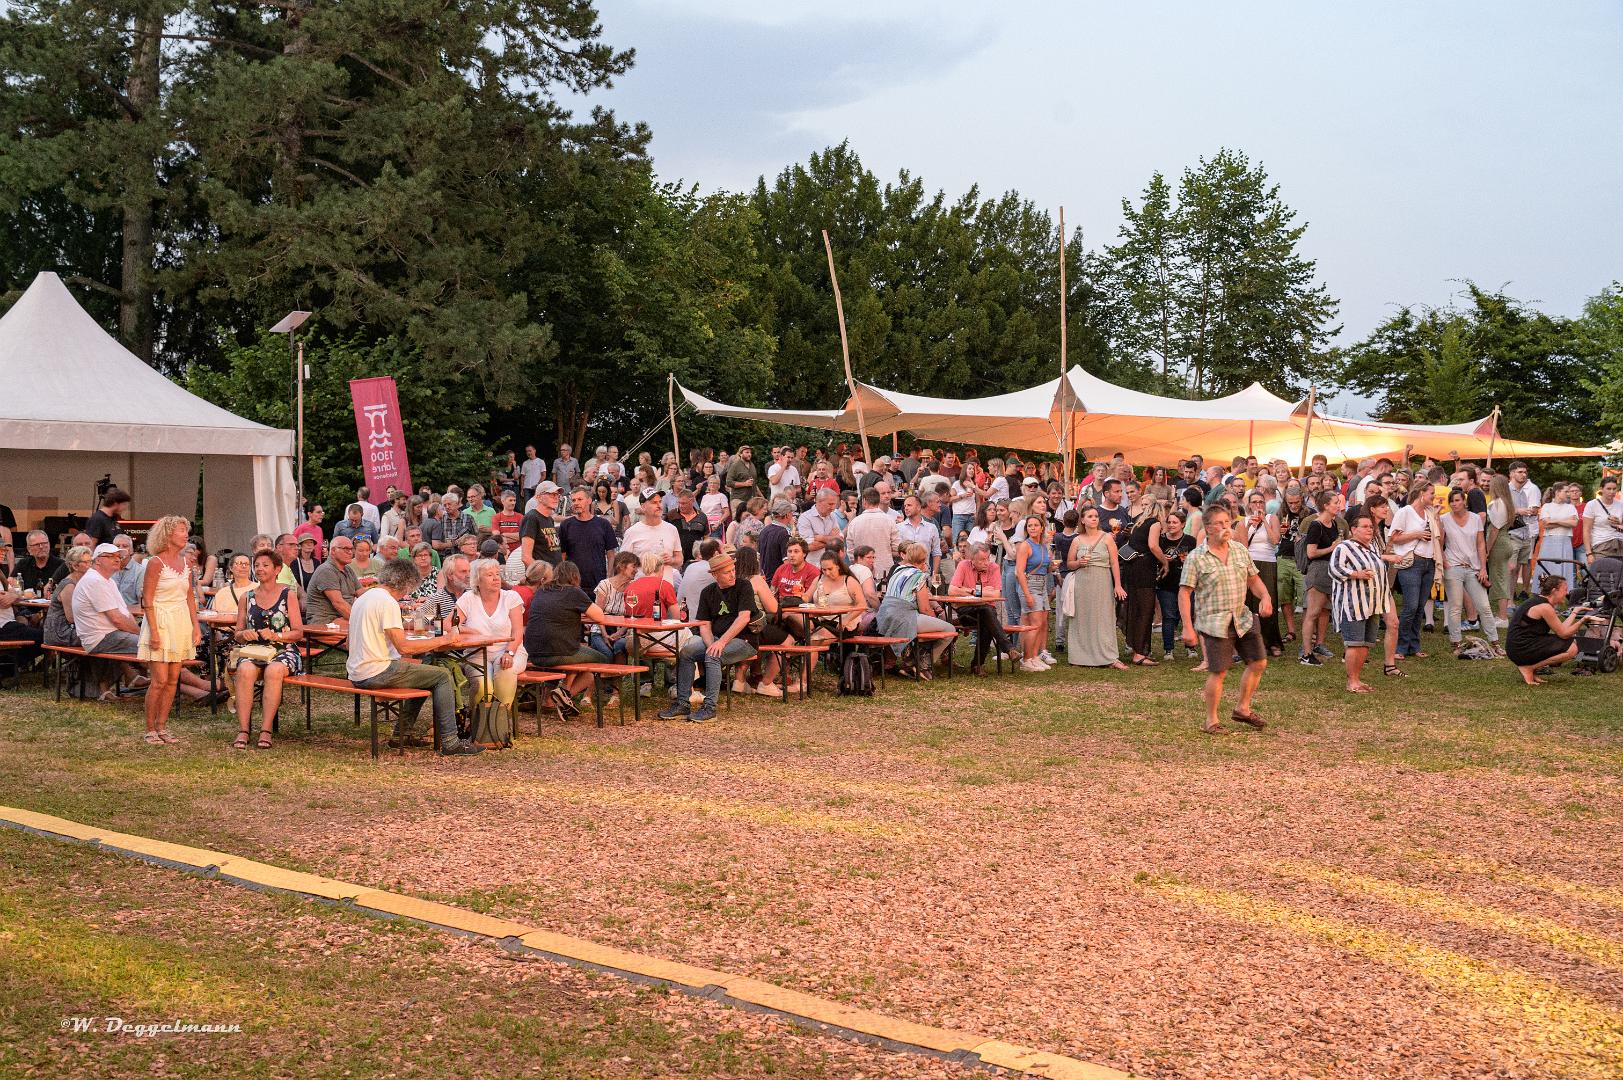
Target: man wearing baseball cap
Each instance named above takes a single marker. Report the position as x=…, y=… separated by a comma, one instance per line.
x=725, y=609
x=538, y=536
x=100, y=615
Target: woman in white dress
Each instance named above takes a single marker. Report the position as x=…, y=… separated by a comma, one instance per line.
x=1556, y=519
x=170, y=632
x=488, y=610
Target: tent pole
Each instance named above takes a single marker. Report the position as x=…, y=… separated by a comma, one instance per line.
x=1066, y=453
x=670, y=400
x=1493, y=435
x=299, y=373
x=845, y=349
x=1312, y=393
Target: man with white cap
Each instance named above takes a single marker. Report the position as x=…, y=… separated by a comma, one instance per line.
x=538, y=533
x=100, y=615
x=725, y=609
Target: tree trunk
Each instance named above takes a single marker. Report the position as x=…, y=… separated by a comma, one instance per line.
x=141, y=89
x=290, y=148
x=569, y=420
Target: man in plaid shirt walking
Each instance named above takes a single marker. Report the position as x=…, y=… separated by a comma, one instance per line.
x=1216, y=578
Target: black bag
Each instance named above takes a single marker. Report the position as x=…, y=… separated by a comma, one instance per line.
x=856, y=675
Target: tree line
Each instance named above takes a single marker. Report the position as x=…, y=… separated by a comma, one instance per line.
x=409, y=171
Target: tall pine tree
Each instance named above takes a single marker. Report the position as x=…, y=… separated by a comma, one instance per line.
x=1212, y=283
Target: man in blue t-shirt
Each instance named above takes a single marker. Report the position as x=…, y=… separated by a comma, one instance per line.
x=587, y=540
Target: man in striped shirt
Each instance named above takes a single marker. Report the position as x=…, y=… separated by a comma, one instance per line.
x=1357, y=595
x=1211, y=600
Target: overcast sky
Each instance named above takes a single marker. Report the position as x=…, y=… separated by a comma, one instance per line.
x=1423, y=143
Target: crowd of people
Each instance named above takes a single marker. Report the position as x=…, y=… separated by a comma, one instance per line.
x=1238, y=561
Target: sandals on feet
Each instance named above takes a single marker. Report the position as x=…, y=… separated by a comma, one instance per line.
x=1248, y=718
x=152, y=738
x=264, y=740
x=1392, y=671
x=241, y=742
x=168, y=736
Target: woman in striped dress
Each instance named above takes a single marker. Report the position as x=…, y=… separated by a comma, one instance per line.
x=1356, y=584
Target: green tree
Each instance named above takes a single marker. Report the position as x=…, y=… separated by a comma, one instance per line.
x=637, y=280
x=365, y=159
x=1448, y=365
x=87, y=158
x=941, y=297
x=1598, y=335
x=1213, y=283
x=439, y=421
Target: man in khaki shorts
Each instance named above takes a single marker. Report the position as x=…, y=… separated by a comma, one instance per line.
x=1216, y=578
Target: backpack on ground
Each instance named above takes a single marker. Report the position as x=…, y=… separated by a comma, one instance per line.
x=491, y=724
x=1473, y=648
x=856, y=675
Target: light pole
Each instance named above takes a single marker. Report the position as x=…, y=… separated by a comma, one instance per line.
x=289, y=325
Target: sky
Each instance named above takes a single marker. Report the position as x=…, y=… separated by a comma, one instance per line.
x=1423, y=144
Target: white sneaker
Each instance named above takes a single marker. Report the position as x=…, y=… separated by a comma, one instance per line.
x=1046, y=657
x=1036, y=667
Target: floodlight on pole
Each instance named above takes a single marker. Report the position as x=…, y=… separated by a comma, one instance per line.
x=289, y=325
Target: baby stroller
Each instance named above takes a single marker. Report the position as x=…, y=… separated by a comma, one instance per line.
x=1600, y=642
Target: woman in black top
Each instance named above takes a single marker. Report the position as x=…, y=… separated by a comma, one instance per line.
x=1138, y=576
x=1318, y=537
x=1538, y=637
x=1169, y=546
x=554, y=631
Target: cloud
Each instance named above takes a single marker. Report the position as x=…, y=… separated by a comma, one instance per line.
x=723, y=91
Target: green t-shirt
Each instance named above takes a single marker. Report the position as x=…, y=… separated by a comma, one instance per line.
x=484, y=517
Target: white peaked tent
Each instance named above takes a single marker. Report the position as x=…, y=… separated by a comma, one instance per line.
x=76, y=405
x=1105, y=418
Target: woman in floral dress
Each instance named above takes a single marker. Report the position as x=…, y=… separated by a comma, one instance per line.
x=269, y=616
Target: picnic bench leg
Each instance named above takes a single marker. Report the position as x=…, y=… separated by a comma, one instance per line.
x=357, y=712
x=374, y=728
x=619, y=693
x=597, y=697
x=636, y=697
x=214, y=675
x=58, y=658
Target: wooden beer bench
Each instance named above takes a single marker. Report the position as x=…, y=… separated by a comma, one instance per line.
x=386, y=700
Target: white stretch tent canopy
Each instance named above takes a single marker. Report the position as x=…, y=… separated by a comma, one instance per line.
x=77, y=405
x=1105, y=418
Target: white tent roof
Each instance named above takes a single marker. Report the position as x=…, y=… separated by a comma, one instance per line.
x=70, y=386
x=1106, y=418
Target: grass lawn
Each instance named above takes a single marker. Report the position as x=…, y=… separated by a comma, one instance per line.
x=1426, y=881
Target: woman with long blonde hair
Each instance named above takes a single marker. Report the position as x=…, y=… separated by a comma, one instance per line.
x=170, y=632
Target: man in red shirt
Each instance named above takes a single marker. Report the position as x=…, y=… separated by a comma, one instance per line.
x=979, y=576
x=796, y=576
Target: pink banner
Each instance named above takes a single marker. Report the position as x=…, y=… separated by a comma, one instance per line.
x=383, y=437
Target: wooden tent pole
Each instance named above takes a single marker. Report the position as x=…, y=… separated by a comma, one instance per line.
x=1493, y=435
x=845, y=349
x=1067, y=454
x=670, y=399
x=1312, y=393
